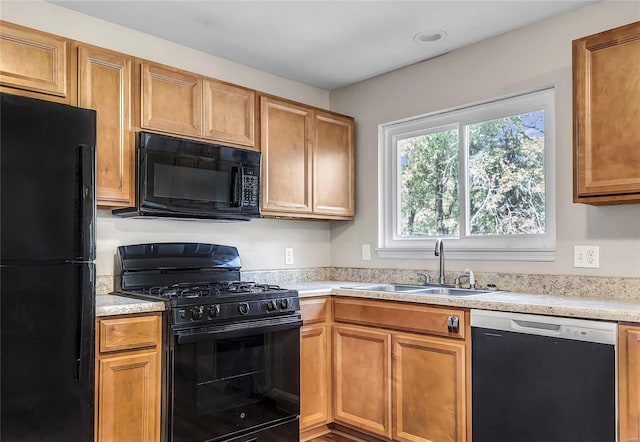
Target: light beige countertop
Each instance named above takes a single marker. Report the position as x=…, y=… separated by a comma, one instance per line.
x=111, y=305
x=555, y=305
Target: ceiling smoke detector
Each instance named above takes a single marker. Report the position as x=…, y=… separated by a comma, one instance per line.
x=430, y=36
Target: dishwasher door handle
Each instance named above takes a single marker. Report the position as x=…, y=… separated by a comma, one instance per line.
x=535, y=327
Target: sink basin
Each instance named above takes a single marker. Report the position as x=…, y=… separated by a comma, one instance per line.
x=420, y=289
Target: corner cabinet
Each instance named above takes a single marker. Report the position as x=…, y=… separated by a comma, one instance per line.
x=400, y=372
x=34, y=63
x=307, y=161
x=105, y=85
x=629, y=382
x=128, y=378
x=606, y=116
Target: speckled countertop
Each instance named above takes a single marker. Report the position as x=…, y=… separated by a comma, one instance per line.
x=111, y=305
x=555, y=305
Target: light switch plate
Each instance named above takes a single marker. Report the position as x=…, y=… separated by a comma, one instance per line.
x=288, y=255
x=586, y=256
x=366, y=252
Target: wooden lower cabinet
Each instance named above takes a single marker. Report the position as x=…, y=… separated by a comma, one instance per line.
x=362, y=376
x=315, y=367
x=629, y=383
x=128, y=378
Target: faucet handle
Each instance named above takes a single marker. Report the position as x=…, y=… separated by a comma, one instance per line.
x=426, y=278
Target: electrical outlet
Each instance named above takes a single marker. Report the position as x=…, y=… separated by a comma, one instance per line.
x=366, y=252
x=586, y=256
x=288, y=255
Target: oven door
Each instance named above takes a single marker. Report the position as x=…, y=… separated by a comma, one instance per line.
x=233, y=379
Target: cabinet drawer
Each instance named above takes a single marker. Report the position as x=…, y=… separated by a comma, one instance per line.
x=129, y=333
x=313, y=309
x=400, y=316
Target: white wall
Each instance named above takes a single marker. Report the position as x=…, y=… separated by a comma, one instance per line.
x=528, y=59
x=261, y=242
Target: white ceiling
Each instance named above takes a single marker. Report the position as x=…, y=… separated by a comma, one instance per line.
x=327, y=44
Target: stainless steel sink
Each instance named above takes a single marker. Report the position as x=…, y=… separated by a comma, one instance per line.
x=419, y=289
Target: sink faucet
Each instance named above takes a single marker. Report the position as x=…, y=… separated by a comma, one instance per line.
x=439, y=251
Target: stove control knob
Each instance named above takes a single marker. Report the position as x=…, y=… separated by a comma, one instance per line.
x=271, y=305
x=243, y=308
x=196, y=313
x=214, y=311
x=284, y=303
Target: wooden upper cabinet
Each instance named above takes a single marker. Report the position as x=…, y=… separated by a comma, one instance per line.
x=333, y=165
x=606, y=82
x=171, y=100
x=629, y=396
x=229, y=113
x=286, y=157
x=35, y=63
x=104, y=84
x=429, y=389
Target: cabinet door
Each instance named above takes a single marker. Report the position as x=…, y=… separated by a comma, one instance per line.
x=362, y=379
x=429, y=390
x=128, y=396
x=315, y=381
x=171, y=100
x=333, y=165
x=104, y=84
x=34, y=61
x=606, y=73
x=629, y=385
x=286, y=156
x=229, y=113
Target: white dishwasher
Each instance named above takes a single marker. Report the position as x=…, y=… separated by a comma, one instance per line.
x=542, y=378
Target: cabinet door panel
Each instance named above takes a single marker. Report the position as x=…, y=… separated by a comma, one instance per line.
x=429, y=389
x=333, y=159
x=629, y=385
x=33, y=61
x=286, y=157
x=362, y=375
x=171, y=100
x=229, y=113
x=105, y=85
x=607, y=115
x=128, y=398
x=315, y=381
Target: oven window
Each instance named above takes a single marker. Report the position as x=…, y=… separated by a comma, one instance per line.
x=180, y=182
x=228, y=384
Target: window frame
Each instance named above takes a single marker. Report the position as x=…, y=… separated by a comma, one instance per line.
x=535, y=247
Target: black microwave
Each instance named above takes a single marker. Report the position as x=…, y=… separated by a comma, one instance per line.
x=179, y=178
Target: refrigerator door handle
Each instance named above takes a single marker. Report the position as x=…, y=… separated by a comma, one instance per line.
x=85, y=359
x=87, y=199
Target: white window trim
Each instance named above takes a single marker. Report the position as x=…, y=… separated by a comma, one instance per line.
x=523, y=248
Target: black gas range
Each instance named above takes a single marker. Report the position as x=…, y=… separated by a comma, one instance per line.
x=232, y=365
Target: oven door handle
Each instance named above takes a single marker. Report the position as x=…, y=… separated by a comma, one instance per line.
x=237, y=329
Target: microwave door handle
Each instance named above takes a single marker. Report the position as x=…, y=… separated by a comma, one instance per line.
x=236, y=176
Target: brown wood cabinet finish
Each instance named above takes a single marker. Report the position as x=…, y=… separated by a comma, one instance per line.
x=128, y=371
x=606, y=81
x=104, y=84
x=362, y=378
x=429, y=377
x=286, y=157
x=34, y=63
x=629, y=383
x=171, y=100
x=229, y=113
x=315, y=366
x=308, y=161
x=333, y=165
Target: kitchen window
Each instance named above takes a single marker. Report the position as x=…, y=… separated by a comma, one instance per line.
x=481, y=177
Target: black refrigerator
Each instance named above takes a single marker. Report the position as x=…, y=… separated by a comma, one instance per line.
x=47, y=270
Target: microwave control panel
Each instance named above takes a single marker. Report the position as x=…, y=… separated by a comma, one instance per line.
x=250, y=190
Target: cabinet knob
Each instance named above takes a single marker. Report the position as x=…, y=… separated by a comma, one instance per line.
x=453, y=324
